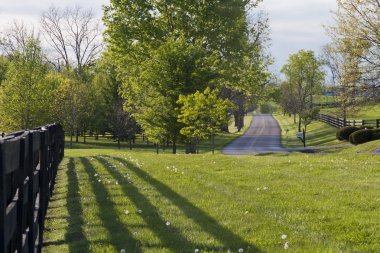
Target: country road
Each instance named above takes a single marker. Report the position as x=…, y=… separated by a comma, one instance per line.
x=263, y=136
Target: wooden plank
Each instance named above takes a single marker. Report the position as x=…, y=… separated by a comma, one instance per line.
x=10, y=155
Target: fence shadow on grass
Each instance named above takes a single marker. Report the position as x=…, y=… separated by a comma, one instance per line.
x=208, y=223
x=120, y=236
x=170, y=237
x=75, y=236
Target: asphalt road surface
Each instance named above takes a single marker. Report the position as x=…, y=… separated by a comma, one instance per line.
x=263, y=136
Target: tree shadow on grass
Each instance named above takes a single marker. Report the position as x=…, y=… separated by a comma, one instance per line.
x=170, y=236
x=119, y=235
x=208, y=223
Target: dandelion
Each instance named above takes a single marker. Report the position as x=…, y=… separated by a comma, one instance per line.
x=122, y=251
x=126, y=212
x=286, y=245
x=99, y=180
x=135, y=233
x=139, y=211
x=196, y=251
x=241, y=250
x=167, y=223
x=283, y=237
x=117, y=182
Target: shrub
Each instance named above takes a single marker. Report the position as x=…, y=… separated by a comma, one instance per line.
x=344, y=132
x=362, y=136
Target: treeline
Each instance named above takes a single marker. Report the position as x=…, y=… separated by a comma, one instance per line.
x=173, y=70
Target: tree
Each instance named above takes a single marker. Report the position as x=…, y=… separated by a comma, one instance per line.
x=74, y=34
x=355, y=36
x=24, y=96
x=304, y=76
x=202, y=114
x=141, y=30
x=177, y=67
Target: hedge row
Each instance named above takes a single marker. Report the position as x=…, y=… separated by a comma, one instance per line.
x=358, y=135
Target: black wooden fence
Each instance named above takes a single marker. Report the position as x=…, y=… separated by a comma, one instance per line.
x=28, y=167
x=338, y=122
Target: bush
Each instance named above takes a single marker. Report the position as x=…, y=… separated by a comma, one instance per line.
x=362, y=136
x=344, y=132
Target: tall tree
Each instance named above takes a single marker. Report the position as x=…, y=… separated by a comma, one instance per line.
x=206, y=31
x=74, y=34
x=305, y=77
x=355, y=36
x=24, y=97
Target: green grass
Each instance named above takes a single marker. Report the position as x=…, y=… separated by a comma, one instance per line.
x=317, y=134
x=323, y=203
x=365, y=112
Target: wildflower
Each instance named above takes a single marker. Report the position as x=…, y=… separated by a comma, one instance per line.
x=139, y=211
x=167, y=223
x=126, y=212
x=283, y=237
x=241, y=250
x=122, y=251
x=135, y=233
x=117, y=182
x=286, y=245
x=196, y=251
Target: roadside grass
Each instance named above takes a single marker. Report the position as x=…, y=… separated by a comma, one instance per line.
x=317, y=134
x=365, y=148
x=371, y=111
x=214, y=203
x=221, y=140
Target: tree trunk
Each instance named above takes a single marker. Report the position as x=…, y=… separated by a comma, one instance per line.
x=84, y=137
x=295, y=118
x=118, y=142
x=77, y=136
x=213, y=142
x=71, y=138
x=299, y=123
x=130, y=144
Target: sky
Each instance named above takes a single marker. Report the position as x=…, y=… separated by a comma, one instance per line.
x=295, y=24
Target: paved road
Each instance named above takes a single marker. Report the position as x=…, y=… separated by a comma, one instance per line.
x=263, y=136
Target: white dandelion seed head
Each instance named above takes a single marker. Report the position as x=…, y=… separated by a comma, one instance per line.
x=135, y=233
x=122, y=251
x=283, y=237
x=139, y=211
x=167, y=223
x=286, y=245
x=241, y=250
x=196, y=251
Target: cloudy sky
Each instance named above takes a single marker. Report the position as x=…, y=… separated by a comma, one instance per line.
x=295, y=24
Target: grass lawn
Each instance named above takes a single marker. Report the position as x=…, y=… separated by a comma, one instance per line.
x=366, y=112
x=107, y=200
x=317, y=134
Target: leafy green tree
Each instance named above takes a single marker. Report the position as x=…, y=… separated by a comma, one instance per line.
x=355, y=37
x=4, y=64
x=305, y=77
x=203, y=114
x=175, y=68
x=141, y=30
x=24, y=95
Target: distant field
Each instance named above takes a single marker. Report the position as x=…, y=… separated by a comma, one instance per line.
x=317, y=134
x=365, y=112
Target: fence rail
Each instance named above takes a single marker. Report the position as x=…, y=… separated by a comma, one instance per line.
x=338, y=122
x=28, y=167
